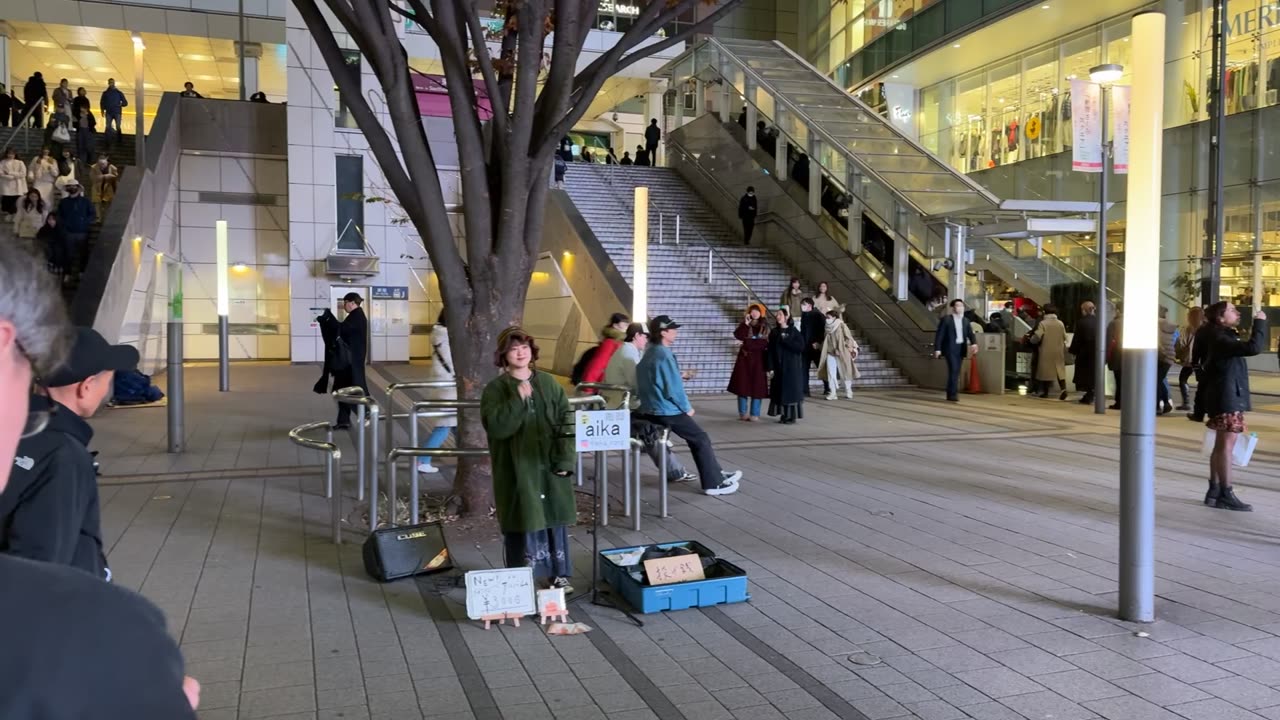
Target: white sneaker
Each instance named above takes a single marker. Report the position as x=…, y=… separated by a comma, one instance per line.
x=426, y=467
x=831, y=396
x=732, y=477
x=724, y=488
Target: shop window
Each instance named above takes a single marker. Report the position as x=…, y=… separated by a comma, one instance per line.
x=1004, y=143
x=970, y=123
x=1043, y=127
x=342, y=116
x=349, y=183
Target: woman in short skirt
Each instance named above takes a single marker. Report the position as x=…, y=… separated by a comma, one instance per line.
x=1226, y=395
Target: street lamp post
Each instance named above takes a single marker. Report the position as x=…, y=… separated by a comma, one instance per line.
x=139, y=136
x=1141, y=334
x=1104, y=76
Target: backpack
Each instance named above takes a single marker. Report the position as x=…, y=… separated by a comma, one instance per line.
x=580, y=367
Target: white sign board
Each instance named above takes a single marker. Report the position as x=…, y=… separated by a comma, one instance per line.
x=508, y=591
x=1086, y=126
x=1120, y=101
x=601, y=430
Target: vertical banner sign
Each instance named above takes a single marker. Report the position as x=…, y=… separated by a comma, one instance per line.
x=1120, y=104
x=1086, y=126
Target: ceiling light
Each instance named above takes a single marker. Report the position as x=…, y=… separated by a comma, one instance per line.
x=196, y=58
x=40, y=44
x=103, y=69
x=955, y=45
x=204, y=77
x=895, y=77
x=1044, y=7
x=137, y=42
x=240, y=267
x=64, y=66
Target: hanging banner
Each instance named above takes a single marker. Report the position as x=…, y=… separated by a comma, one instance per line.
x=1120, y=101
x=1086, y=126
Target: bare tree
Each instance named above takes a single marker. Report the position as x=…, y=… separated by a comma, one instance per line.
x=504, y=161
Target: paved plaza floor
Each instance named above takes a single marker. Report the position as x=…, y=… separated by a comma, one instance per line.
x=907, y=558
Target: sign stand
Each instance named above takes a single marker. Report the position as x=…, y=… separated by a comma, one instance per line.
x=597, y=595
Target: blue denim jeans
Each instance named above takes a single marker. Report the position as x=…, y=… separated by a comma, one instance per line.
x=437, y=437
x=755, y=406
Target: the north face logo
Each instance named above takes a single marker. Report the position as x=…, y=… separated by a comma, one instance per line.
x=25, y=463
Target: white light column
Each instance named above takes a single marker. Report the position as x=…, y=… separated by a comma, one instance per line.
x=1141, y=322
x=640, y=258
x=139, y=122
x=224, y=307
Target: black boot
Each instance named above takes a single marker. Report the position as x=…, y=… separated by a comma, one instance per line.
x=1227, y=500
x=1211, y=497
x=1087, y=399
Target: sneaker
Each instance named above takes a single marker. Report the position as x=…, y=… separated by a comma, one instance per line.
x=731, y=477
x=562, y=583
x=1063, y=396
x=1184, y=407
x=1227, y=500
x=426, y=467
x=724, y=488
x=830, y=396
x=1195, y=418
x=1211, y=497
x=686, y=477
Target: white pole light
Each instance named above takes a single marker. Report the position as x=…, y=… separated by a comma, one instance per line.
x=1142, y=212
x=640, y=258
x=1106, y=74
x=224, y=302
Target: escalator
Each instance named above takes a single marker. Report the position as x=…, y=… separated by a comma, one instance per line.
x=803, y=129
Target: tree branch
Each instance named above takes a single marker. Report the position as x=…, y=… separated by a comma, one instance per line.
x=565, y=50
x=497, y=103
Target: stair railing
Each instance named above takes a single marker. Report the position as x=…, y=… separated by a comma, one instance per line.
x=8, y=142
x=712, y=255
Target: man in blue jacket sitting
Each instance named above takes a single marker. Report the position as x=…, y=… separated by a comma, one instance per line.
x=663, y=401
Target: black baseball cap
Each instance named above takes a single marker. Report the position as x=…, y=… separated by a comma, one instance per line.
x=662, y=322
x=90, y=355
x=352, y=297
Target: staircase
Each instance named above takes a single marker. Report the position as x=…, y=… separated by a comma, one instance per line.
x=678, y=286
x=1033, y=276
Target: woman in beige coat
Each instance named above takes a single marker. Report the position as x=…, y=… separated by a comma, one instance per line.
x=1051, y=336
x=839, y=351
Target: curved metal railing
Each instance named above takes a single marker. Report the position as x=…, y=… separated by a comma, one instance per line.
x=332, y=468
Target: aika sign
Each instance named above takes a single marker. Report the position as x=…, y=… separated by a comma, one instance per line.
x=601, y=430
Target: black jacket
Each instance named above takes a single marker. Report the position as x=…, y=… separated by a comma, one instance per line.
x=785, y=359
x=747, y=208
x=944, y=338
x=1226, y=374
x=49, y=511
x=813, y=327
x=1084, y=346
x=354, y=331
x=1200, y=345
x=34, y=91
x=652, y=135
x=329, y=335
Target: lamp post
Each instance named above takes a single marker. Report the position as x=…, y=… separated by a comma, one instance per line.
x=139, y=136
x=1104, y=76
x=640, y=257
x=1141, y=330
x=224, y=307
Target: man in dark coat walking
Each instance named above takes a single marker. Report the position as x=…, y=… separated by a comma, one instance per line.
x=955, y=341
x=748, y=207
x=813, y=328
x=788, y=369
x=1084, y=347
x=652, y=136
x=354, y=332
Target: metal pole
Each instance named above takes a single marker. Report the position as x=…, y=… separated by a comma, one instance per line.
x=335, y=504
x=139, y=120
x=374, y=413
x=1100, y=353
x=578, y=470
x=1215, y=227
x=243, y=85
x=328, y=466
x=602, y=484
x=626, y=482
x=677, y=229
x=177, y=439
x=710, y=263
x=392, y=472
x=361, y=459
x=1137, y=486
x=662, y=475
x=224, y=361
x=635, y=518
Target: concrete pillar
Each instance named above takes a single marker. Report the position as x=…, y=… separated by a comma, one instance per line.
x=699, y=98
x=6, y=31
x=780, y=156
x=727, y=112
x=654, y=111
x=852, y=180
x=901, y=259
x=252, y=53
x=752, y=119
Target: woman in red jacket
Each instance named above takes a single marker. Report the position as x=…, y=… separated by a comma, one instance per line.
x=748, y=380
x=610, y=340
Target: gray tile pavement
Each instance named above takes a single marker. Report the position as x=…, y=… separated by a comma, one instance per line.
x=970, y=549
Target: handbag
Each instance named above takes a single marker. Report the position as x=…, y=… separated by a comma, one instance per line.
x=1241, y=454
x=61, y=134
x=341, y=356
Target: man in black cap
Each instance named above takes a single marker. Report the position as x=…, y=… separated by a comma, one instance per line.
x=50, y=510
x=664, y=402
x=353, y=333
x=74, y=646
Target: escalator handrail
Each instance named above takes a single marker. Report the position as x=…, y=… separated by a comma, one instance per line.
x=817, y=128
x=870, y=302
x=595, y=168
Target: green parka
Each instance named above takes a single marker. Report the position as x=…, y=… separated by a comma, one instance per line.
x=526, y=450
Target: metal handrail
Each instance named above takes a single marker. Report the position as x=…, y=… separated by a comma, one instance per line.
x=399, y=452
x=605, y=387
x=25, y=117
x=394, y=388
x=356, y=396
x=332, y=468
x=702, y=239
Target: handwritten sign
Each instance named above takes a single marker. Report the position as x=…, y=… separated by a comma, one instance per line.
x=602, y=430
x=681, y=568
x=508, y=591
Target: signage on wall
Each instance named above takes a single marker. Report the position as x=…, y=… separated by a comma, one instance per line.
x=1086, y=127
x=1120, y=101
x=612, y=7
x=388, y=292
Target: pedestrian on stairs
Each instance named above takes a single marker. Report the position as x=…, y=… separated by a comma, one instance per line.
x=103, y=177
x=750, y=381
x=652, y=137
x=6, y=106
x=748, y=208
x=75, y=215
x=813, y=328
x=626, y=159
x=13, y=184
x=792, y=296
x=642, y=157
x=664, y=402
x=111, y=104
x=31, y=212
x=839, y=353
x=823, y=300
x=43, y=172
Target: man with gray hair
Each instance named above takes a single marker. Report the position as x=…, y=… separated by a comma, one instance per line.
x=74, y=646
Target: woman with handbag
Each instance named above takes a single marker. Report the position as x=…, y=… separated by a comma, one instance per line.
x=839, y=351
x=526, y=416
x=1226, y=394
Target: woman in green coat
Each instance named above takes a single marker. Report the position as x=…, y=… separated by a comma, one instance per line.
x=526, y=415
